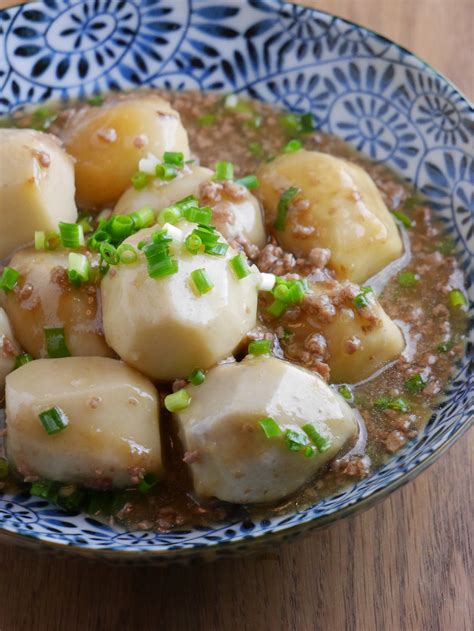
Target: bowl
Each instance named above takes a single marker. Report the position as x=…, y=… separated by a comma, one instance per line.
x=360, y=86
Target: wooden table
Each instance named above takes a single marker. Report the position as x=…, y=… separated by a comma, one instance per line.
x=404, y=564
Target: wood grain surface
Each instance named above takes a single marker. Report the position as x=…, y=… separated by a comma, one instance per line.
x=404, y=565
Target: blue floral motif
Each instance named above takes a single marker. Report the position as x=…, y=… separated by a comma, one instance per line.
x=374, y=94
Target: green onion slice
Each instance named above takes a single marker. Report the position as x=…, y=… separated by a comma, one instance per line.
x=201, y=215
x=54, y=420
x=147, y=483
x=201, y=281
x=363, y=298
x=9, y=278
x=415, y=383
x=407, y=279
x=270, y=427
x=40, y=240
x=249, y=181
x=292, y=145
x=140, y=180
x=56, y=342
x=322, y=443
x=295, y=439
x=402, y=218
x=78, y=268
x=177, y=401
x=282, y=207
x=260, y=347
x=22, y=359
x=224, y=170
x=240, y=266
x=457, y=298
x=197, y=377
x=143, y=217
x=72, y=235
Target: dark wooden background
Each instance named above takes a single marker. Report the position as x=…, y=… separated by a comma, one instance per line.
x=404, y=565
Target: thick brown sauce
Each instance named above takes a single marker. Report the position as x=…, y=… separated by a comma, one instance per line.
x=247, y=138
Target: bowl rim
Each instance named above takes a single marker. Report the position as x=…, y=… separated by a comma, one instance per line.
x=35, y=541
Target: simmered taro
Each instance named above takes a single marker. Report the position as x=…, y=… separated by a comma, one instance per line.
x=210, y=308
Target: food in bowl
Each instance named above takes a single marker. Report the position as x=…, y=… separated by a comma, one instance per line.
x=210, y=308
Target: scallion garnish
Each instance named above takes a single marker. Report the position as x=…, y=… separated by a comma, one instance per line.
x=40, y=240
x=363, y=298
x=187, y=202
x=402, y=218
x=54, y=420
x=193, y=243
x=216, y=249
x=201, y=215
x=42, y=118
x=201, y=280
x=277, y=308
x=78, y=268
x=148, y=481
x=97, y=99
x=127, y=254
x=197, y=377
x=322, y=443
x=346, y=392
x=259, y=347
x=295, y=439
x=391, y=403
x=4, y=468
x=108, y=253
x=140, y=180
x=56, y=342
x=407, y=279
x=159, y=261
x=249, y=181
x=207, y=119
x=22, y=359
x=297, y=123
x=9, y=278
x=46, y=489
x=174, y=158
x=143, y=217
x=415, y=383
x=270, y=427
x=85, y=220
x=170, y=214
x=457, y=298
x=286, y=293
x=166, y=171
x=256, y=149
x=240, y=266
x=224, y=170
x=72, y=235
x=121, y=227
x=177, y=401
x=282, y=207
x=445, y=347
x=292, y=145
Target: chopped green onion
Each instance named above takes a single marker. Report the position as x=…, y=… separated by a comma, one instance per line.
x=171, y=214
x=307, y=122
x=197, y=377
x=363, y=298
x=165, y=171
x=457, y=298
x=56, y=342
x=309, y=451
x=72, y=235
x=108, y=253
x=201, y=281
x=42, y=118
x=260, y=347
x=407, y=279
x=148, y=481
x=270, y=427
x=402, y=218
x=388, y=403
x=3, y=468
x=446, y=246
x=277, y=308
x=174, y=158
x=9, y=278
x=97, y=99
x=98, y=238
x=292, y=145
x=412, y=202
x=22, y=359
x=177, y=401
x=346, y=392
x=45, y=489
x=232, y=102
x=322, y=443
x=295, y=440
x=40, y=240
x=415, y=383
x=249, y=181
x=78, y=268
x=73, y=501
x=297, y=123
x=283, y=207
x=140, y=180
x=216, y=249
x=207, y=234
x=127, y=254
x=143, y=218
x=86, y=222
x=224, y=170
x=240, y=266
x=201, y=215
x=256, y=149
x=159, y=262
x=207, y=119
x=121, y=227
x=193, y=243
x=54, y=420
x=445, y=346
x=255, y=122
x=187, y=202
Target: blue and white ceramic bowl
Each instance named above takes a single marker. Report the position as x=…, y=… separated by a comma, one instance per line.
x=359, y=86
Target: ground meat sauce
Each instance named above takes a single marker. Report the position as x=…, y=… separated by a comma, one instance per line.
x=246, y=134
